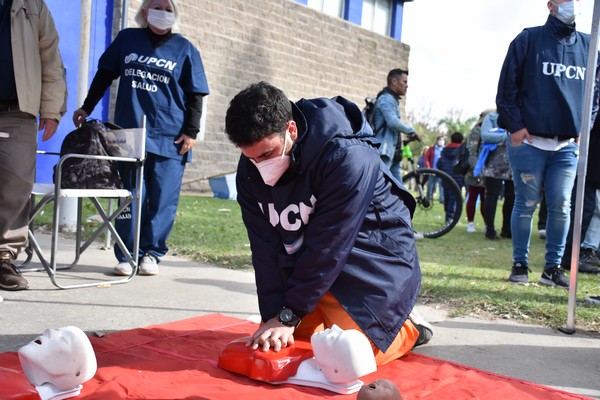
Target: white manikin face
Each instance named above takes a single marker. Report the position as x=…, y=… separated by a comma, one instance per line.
x=63, y=357
x=343, y=355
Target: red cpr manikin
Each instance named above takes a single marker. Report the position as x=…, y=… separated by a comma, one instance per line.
x=340, y=358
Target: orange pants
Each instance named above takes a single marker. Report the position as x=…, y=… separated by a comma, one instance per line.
x=329, y=311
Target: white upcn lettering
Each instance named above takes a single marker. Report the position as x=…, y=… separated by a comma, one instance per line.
x=568, y=71
x=159, y=62
x=293, y=216
x=286, y=220
x=273, y=216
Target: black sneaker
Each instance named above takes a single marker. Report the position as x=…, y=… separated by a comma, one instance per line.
x=10, y=276
x=595, y=300
x=588, y=256
x=519, y=273
x=554, y=277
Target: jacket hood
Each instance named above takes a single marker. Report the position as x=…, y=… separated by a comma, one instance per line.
x=330, y=118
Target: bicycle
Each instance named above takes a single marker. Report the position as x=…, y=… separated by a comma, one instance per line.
x=430, y=217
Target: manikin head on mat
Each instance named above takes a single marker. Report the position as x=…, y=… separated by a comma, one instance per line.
x=63, y=357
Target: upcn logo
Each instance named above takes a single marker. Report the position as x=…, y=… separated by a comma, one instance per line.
x=159, y=62
x=568, y=71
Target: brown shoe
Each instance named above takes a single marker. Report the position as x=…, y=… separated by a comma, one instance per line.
x=10, y=276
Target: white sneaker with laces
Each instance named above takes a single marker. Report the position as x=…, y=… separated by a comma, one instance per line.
x=148, y=266
x=123, y=269
x=471, y=227
x=425, y=328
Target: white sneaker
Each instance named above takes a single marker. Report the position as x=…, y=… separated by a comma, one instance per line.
x=418, y=236
x=425, y=328
x=471, y=227
x=148, y=266
x=542, y=233
x=123, y=269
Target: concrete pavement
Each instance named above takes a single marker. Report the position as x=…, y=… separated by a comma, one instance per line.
x=185, y=289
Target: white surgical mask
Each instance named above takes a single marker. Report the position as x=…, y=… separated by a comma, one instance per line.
x=441, y=143
x=567, y=11
x=273, y=168
x=160, y=19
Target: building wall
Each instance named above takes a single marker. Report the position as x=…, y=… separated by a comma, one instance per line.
x=303, y=52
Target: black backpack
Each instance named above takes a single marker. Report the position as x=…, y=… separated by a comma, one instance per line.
x=81, y=173
x=460, y=163
x=368, y=113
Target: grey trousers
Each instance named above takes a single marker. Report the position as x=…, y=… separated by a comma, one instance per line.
x=18, y=145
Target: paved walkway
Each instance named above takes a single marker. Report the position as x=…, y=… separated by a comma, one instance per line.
x=186, y=289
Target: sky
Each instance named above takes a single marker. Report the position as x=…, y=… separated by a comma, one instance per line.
x=457, y=48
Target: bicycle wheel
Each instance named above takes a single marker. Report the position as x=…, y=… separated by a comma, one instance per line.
x=433, y=218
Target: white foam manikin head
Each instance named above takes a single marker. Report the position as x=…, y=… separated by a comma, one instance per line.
x=63, y=357
x=343, y=355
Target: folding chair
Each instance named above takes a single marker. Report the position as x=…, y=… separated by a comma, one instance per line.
x=125, y=145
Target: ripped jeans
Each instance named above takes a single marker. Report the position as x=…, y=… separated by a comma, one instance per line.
x=556, y=170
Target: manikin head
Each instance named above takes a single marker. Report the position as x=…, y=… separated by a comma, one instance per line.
x=343, y=355
x=63, y=357
x=381, y=389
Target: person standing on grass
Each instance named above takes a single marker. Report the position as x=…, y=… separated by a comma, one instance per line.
x=475, y=183
x=329, y=227
x=540, y=102
x=446, y=164
x=161, y=76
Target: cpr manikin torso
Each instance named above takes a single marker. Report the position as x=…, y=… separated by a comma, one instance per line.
x=340, y=358
x=58, y=361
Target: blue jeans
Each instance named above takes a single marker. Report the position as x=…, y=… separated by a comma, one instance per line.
x=556, y=171
x=588, y=219
x=591, y=240
x=432, y=184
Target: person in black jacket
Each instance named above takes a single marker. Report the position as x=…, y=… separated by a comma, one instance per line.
x=330, y=229
x=446, y=163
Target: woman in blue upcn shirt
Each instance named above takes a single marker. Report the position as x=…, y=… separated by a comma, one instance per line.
x=162, y=77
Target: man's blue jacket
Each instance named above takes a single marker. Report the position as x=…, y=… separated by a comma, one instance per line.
x=336, y=221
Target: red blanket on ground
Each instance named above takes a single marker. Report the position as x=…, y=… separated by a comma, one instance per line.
x=178, y=360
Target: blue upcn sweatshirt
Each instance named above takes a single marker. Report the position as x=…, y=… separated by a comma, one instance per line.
x=542, y=81
x=336, y=221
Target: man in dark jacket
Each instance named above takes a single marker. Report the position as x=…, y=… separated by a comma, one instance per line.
x=540, y=102
x=329, y=228
x=446, y=163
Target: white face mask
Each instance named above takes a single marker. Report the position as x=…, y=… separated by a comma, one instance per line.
x=567, y=11
x=441, y=143
x=273, y=168
x=160, y=19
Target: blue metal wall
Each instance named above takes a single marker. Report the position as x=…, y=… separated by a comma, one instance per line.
x=67, y=20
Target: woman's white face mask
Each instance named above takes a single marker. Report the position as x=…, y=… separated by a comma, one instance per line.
x=274, y=168
x=161, y=19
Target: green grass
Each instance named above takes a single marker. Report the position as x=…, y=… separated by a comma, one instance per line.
x=461, y=271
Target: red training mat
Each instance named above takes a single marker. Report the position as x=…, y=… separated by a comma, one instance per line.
x=178, y=360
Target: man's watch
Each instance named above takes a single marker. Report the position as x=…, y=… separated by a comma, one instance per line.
x=288, y=318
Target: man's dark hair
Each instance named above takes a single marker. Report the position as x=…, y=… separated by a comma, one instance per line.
x=257, y=112
x=457, y=137
x=394, y=73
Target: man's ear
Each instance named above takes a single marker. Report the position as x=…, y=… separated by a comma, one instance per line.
x=292, y=129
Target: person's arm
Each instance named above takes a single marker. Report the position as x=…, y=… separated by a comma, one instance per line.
x=389, y=110
x=509, y=86
x=490, y=131
x=54, y=86
x=193, y=114
x=102, y=81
